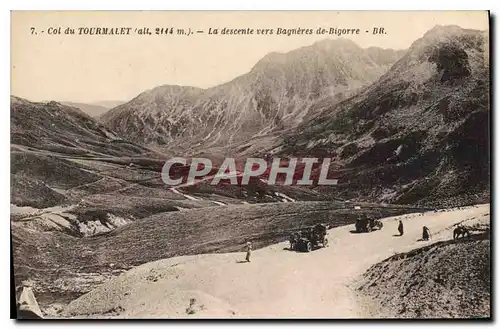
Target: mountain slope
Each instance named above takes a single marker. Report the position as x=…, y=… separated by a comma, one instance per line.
x=278, y=93
x=418, y=134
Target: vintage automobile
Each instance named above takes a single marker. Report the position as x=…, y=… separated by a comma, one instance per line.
x=368, y=224
x=309, y=238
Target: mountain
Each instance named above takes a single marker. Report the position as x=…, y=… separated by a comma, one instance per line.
x=420, y=133
x=94, y=109
x=278, y=93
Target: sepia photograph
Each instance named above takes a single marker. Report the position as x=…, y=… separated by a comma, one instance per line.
x=250, y=164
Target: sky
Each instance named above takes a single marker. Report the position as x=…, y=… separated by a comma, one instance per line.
x=90, y=68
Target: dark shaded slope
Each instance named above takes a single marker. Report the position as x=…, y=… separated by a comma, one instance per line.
x=443, y=280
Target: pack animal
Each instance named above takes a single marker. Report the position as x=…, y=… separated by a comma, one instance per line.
x=460, y=231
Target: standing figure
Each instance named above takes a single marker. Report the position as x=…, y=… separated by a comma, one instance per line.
x=400, y=228
x=249, y=251
x=426, y=233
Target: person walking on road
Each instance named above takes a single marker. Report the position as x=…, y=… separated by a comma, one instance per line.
x=249, y=251
x=400, y=228
x=426, y=233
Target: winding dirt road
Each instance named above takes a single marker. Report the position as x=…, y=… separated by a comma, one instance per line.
x=276, y=283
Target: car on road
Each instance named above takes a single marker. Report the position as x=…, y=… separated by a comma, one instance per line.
x=310, y=238
x=368, y=224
